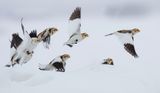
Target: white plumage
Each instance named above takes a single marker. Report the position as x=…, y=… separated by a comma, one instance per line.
x=126, y=37
x=57, y=63
x=23, y=49
x=74, y=31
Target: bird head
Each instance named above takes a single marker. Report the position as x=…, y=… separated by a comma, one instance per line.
x=52, y=30
x=84, y=35
x=108, y=61
x=135, y=30
x=65, y=56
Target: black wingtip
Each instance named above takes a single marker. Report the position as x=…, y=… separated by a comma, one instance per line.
x=109, y=34
x=7, y=65
x=33, y=33
x=130, y=49
x=76, y=14
x=16, y=40
x=136, y=56
x=69, y=45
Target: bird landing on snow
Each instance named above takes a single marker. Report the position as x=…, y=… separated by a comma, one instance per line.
x=57, y=63
x=75, y=35
x=127, y=39
x=108, y=61
x=22, y=48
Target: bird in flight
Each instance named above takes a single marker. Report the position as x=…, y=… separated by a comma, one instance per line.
x=127, y=39
x=22, y=48
x=75, y=35
x=57, y=63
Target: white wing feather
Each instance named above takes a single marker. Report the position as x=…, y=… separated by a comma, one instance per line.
x=45, y=67
x=74, y=27
x=125, y=38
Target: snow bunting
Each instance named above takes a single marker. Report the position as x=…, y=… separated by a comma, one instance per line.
x=127, y=39
x=57, y=63
x=45, y=36
x=23, y=49
x=108, y=61
x=74, y=28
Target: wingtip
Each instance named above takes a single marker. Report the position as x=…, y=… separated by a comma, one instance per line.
x=136, y=56
x=7, y=65
x=69, y=45
x=109, y=34
x=78, y=8
x=76, y=14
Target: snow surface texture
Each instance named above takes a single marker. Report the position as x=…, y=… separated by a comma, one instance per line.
x=84, y=71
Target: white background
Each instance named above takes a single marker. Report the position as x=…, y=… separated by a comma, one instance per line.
x=84, y=71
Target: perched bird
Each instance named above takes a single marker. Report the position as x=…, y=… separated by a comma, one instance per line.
x=57, y=63
x=108, y=61
x=127, y=39
x=74, y=28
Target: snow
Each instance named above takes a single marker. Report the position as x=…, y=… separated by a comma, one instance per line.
x=84, y=71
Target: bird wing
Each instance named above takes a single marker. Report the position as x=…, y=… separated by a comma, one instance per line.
x=56, y=59
x=16, y=41
x=45, y=67
x=130, y=49
x=50, y=65
x=27, y=36
x=33, y=34
x=75, y=22
x=47, y=41
x=22, y=26
x=127, y=41
x=125, y=38
x=45, y=37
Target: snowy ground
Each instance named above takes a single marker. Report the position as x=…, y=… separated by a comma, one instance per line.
x=84, y=71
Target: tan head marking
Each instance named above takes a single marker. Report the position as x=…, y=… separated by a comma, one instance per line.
x=52, y=30
x=84, y=35
x=65, y=56
x=136, y=30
